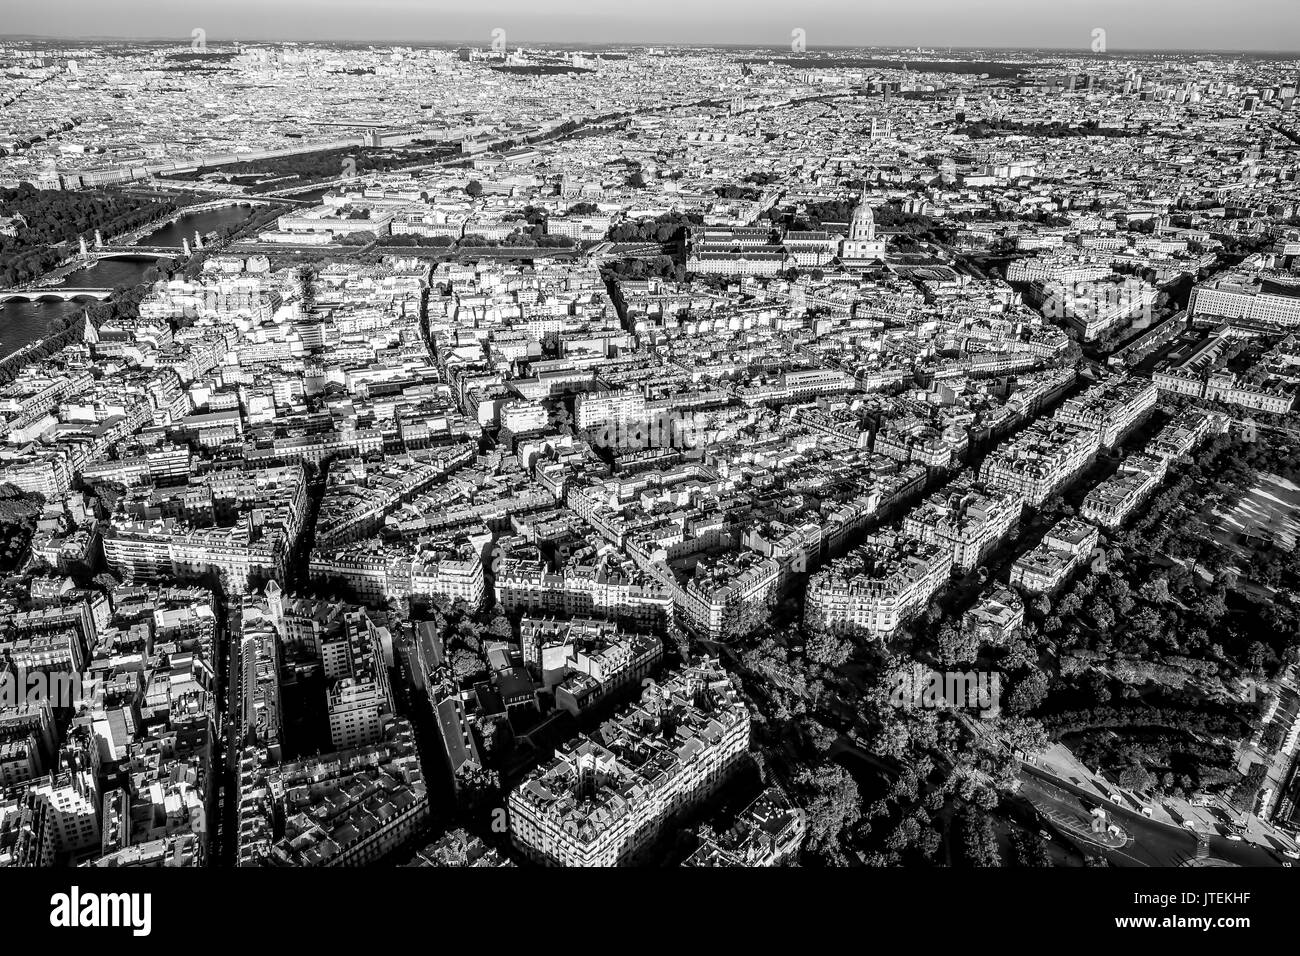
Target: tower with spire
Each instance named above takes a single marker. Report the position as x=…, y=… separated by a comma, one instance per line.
x=89, y=334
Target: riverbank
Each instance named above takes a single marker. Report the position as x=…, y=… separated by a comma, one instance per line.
x=50, y=326
x=25, y=323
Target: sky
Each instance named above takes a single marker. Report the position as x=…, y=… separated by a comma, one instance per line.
x=1265, y=25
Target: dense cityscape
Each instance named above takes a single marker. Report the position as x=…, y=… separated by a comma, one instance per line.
x=502, y=455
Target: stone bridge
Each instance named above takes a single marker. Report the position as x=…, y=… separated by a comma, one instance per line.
x=53, y=294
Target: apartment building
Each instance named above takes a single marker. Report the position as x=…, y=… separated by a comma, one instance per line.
x=1111, y=502
x=767, y=833
x=609, y=803
x=723, y=589
x=50, y=822
x=966, y=519
x=1044, y=569
x=1112, y=407
x=606, y=589
x=877, y=588
x=453, y=571
x=257, y=659
x=1041, y=459
x=585, y=661
x=350, y=808
x=359, y=699
x=240, y=523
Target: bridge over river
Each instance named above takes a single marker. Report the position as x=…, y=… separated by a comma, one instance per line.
x=53, y=294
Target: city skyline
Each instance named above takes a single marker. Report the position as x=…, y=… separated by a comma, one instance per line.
x=1172, y=25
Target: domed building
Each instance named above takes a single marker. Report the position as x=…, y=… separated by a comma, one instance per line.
x=862, y=244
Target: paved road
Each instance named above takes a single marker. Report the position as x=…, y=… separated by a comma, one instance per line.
x=1155, y=843
x=1068, y=816
x=228, y=669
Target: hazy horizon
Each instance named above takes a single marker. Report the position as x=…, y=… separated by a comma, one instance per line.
x=1246, y=26
x=457, y=42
